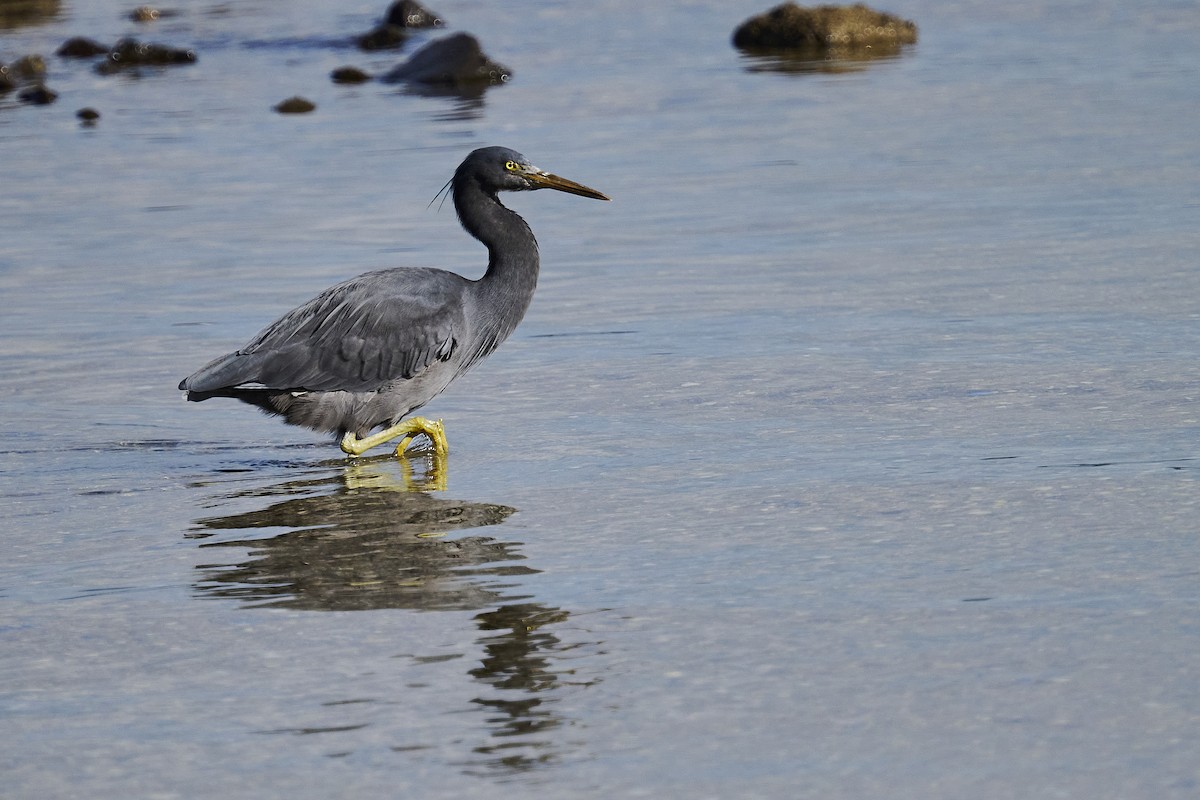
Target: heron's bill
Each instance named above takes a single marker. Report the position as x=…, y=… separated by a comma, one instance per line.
x=547, y=180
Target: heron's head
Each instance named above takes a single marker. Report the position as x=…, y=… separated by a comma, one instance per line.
x=499, y=169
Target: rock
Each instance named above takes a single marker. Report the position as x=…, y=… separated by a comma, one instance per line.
x=151, y=14
x=453, y=62
x=80, y=47
x=411, y=14
x=25, y=70
x=790, y=26
x=349, y=75
x=37, y=95
x=88, y=114
x=132, y=54
x=402, y=16
x=296, y=105
x=28, y=68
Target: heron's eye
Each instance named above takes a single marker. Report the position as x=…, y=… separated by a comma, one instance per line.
x=511, y=166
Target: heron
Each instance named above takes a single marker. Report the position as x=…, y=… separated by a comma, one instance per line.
x=368, y=352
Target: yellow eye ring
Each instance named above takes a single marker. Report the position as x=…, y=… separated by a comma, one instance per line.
x=511, y=166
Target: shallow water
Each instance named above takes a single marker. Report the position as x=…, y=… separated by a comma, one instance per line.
x=851, y=451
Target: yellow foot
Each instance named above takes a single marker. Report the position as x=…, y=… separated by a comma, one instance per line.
x=434, y=431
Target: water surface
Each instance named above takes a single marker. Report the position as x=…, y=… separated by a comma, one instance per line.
x=849, y=452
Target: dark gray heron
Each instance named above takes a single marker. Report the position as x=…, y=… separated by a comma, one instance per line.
x=366, y=353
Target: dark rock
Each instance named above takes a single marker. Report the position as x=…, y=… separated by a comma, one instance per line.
x=855, y=27
x=37, y=95
x=295, y=105
x=131, y=54
x=80, y=47
x=88, y=114
x=456, y=61
x=411, y=14
x=401, y=17
x=349, y=75
x=7, y=84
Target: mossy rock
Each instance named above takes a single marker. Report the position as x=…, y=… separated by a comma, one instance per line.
x=792, y=26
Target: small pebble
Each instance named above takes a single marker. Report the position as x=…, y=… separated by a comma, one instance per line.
x=349, y=75
x=295, y=105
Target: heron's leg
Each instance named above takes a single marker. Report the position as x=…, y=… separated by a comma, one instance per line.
x=408, y=428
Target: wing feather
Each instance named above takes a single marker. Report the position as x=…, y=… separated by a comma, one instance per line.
x=356, y=336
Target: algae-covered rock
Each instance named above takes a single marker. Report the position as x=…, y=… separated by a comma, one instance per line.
x=27, y=68
x=23, y=71
x=792, y=26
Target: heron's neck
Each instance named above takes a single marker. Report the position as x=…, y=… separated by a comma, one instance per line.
x=512, y=250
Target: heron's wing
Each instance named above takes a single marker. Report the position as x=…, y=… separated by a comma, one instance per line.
x=356, y=336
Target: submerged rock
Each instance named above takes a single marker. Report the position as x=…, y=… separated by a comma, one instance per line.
x=411, y=14
x=25, y=70
x=349, y=75
x=132, y=54
x=401, y=17
x=855, y=27
x=454, y=62
x=37, y=95
x=296, y=105
x=28, y=68
x=88, y=115
x=80, y=47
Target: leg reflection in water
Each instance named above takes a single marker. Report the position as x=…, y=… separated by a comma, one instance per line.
x=357, y=537
x=528, y=668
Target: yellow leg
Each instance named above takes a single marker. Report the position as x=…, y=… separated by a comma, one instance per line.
x=409, y=428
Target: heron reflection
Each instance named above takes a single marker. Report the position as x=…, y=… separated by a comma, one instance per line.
x=359, y=538
x=524, y=668
x=364, y=536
